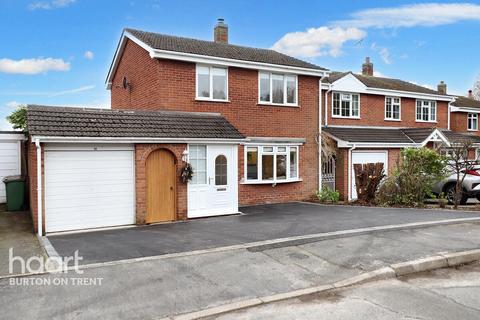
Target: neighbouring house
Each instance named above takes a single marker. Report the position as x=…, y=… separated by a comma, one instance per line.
x=372, y=118
x=11, y=152
x=246, y=119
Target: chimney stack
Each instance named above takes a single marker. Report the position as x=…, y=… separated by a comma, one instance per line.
x=220, y=33
x=470, y=94
x=367, y=67
x=442, y=87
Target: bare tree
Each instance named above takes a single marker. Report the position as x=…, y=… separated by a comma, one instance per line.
x=476, y=89
x=459, y=163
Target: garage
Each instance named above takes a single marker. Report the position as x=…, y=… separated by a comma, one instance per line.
x=88, y=186
x=362, y=157
x=10, y=157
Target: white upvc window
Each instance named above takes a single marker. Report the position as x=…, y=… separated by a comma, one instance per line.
x=345, y=105
x=197, y=154
x=472, y=120
x=271, y=164
x=277, y=89
x=212, y=83
x=392, y=108
x=426, y=111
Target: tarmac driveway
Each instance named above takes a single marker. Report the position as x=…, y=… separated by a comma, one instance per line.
x=257, y=223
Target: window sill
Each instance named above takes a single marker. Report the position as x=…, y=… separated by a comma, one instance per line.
x=472, y=130
x=423, y=121
x=397, y=120
x=270, y=182
x=212, y=100
x=266, y=104
x=340, y=117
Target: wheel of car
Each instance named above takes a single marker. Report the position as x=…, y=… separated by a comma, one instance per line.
x=450, y=195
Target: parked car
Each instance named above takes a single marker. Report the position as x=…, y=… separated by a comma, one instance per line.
x=471, y=186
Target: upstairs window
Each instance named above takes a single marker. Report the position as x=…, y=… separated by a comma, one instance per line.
x=392, y=108
x=277, y=89
x=426, y=111
x=472, y=120
x=212, y=83
x=346, y=105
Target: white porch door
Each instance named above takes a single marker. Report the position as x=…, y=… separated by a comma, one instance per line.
x=362, y=157
x=215, y=189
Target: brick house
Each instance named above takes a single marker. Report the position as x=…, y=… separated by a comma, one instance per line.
x=246, y=119
x=372, y=118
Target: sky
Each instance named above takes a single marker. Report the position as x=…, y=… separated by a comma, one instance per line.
x=57, y=52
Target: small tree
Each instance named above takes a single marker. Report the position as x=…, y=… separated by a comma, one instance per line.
x=18, y=118
x=459, y=163
x=418, y=169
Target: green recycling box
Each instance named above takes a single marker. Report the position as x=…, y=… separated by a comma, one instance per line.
x=15, y=189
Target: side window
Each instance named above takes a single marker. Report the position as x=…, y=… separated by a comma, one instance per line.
x=221, y=170
x=198, y=160
x=212, y=83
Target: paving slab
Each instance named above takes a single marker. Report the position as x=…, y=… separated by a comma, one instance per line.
x=16, y=233
x=258, y=223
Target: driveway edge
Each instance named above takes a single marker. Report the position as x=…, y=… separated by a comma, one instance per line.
x=439, y=261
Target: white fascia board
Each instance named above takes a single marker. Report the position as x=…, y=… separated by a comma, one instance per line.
x=196, y=58
x=435, y=133
x=135, y=140
x=210, y=60
x=12, y=136
x=348, y=144
x=463, y=109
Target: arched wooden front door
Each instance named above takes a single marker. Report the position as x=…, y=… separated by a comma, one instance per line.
x=161, y=189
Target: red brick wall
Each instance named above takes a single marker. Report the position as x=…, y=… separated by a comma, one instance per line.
x=142, y=151
x=372, y=113
x=167, y=84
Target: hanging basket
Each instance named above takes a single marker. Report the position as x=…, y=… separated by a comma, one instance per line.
x=187, y=173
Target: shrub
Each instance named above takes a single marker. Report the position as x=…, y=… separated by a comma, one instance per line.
x=417, y=172
x=328, y=194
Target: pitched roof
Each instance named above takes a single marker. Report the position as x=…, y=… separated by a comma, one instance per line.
x=464, y=102
x=89, y=122
x=383, y=83
x=215, y=49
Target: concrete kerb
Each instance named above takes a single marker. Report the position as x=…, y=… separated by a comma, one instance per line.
x=392, y=271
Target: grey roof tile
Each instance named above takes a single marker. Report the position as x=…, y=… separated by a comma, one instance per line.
x=383, y=83
x=90, y=122
x=464, y=102
x=215, y=49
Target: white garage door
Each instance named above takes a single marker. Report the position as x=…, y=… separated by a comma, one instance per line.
x=366, y=157
x=9, y=163
x=88, y=188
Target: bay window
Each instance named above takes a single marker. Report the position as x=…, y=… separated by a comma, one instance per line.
x=277, y=89
x=472, y=120
x=271, y=164
x=392, y=108
x=345, y=105
x=212, y=83
x=426, y=111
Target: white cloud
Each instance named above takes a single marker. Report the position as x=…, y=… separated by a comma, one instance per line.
x=426, y=14
x=70, y=91
x=88, y=55
x=385, y=55
x=316, y=42
x=12, y=104
x=48, y=5
x=33, y=66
